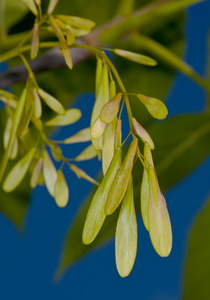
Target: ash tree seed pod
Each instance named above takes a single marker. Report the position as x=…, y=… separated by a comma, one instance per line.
x=35, y=41
x=49, y=173
x=70, y=38
x=64, y=47
x=155, y=107
x=6, y=138
x=71, y=116
x=96, y=215
x=126, y=234
x=61, y=192
x=118, y=134
x=98, y=129
x=31, y=5
x=76, y=21
x=89, y=153
x=111, y=108
x=82, y=174
x=18, y=172
x=37, y=105
x=51, y=6
x=36, y=173
x=145, y=188
x=79, y=137
x=136, y=57
x=159, y=220
x=56, y=151
x=121, y=180
x=143, y=134
x=51, y=102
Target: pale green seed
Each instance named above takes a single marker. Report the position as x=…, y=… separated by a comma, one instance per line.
x=155, y=107
x=61, y=190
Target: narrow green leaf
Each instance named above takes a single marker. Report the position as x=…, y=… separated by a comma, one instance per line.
x=197, y=264
x=71, y=116
x=82, y=174
x=126, y=234
x=61, y=190
x=80, y=137
x=51, y=6
x=36, y=173
x=155, y=107
x=98, y=129
x=18, y=172
x=159, y=221
x=50, y=173
x=143, y=134
x=96, y=216
x=110, y=110
x=121, y=180
x=138, y=58
x=15, y=124
x=89, y=153
x=53, y=103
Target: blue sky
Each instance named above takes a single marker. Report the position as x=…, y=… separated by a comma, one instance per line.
x=28, y=261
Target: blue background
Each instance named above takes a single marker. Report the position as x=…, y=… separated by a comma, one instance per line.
x=29, y=260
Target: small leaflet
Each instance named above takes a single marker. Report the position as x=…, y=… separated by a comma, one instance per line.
x=138, y=58
x=89, y=153
x=155, y=107
x=71, y=116
x=53, y=103
x=143, y=134
x=80, y=137
x=18, y=172
x=96, y=215
x=50, y=173
x=159, y=220
x=121, y=180
x=61, y=190
x=110, y=110
x=126, y=234
x=36, y=173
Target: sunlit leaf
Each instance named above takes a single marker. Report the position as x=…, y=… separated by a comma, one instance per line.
x=126, y=234
x=96, y=215
x=80, y=137
x=82, y=174
x=61, y=190
x=36, y=173
x=18, y=172
x=98, y=129
x=89, y=153
x=50, y=173
x=143, y=134
x=138, y=58
x=155, y=107
x=53, y=103
x=110, y=110
x=159, y=221
x=121, y=180
x=71, y=116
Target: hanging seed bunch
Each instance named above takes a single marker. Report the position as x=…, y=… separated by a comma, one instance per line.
x=25, y=136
